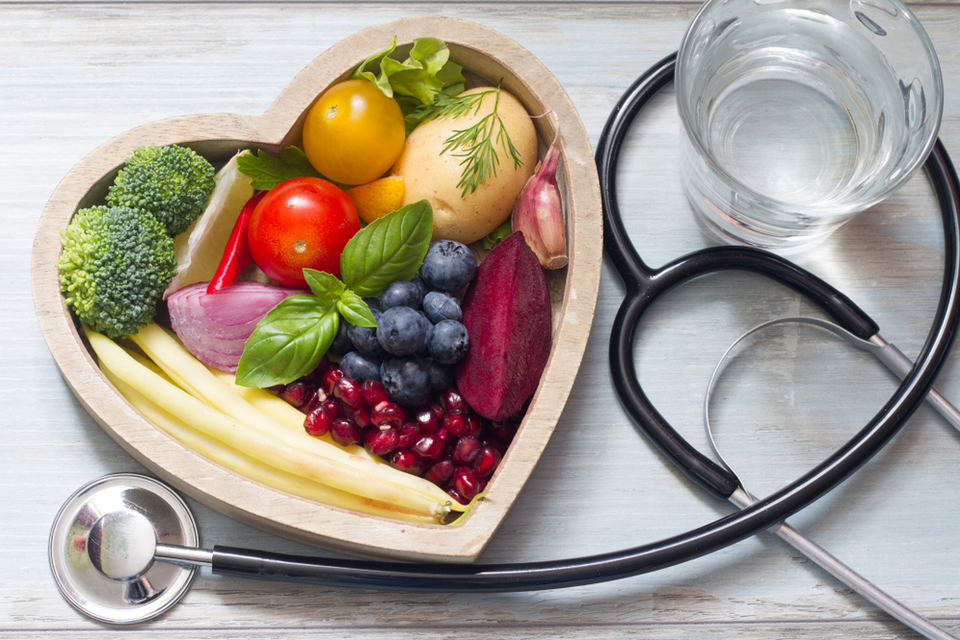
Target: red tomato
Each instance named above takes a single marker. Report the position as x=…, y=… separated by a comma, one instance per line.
x=301, y=223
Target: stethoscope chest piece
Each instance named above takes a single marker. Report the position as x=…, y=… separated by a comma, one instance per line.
x=102, y=546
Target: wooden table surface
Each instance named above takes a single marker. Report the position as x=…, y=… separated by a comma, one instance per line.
x=73, y=75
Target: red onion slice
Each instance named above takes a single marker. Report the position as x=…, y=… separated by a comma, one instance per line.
x=215, y=327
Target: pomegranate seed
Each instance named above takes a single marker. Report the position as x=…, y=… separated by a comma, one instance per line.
x=359, y=414
x=407, y=460
x=457, y=424
x=453, y=493
x=388, y=415
x=329, y=378
x=441, y=471
x=487, y=460
x=316, y=399
x=466, y=450
x=334, y=406
x=381, y=442
x=500, y=447
x=374, y=392
x=429, y=446
x=347, y=390
x=345, y=432
x=503, y=431
x=466, y=482
x=318, y=371
x=453, y=401
x=477, y=424
x=318, y=421
x=428, y=418
x=409, y=434
x=296, y=394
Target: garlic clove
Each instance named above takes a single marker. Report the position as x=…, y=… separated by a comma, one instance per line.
x=539, y=212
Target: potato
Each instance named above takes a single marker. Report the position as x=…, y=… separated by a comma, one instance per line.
x=428, y=174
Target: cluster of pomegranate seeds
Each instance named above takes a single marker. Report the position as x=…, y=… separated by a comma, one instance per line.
x=443, y=440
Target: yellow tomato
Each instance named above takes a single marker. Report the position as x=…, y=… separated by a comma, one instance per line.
x=353, y=133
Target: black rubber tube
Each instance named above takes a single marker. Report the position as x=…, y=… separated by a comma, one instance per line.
x=691, y=544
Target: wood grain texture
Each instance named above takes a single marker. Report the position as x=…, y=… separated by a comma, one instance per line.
x=74, y=76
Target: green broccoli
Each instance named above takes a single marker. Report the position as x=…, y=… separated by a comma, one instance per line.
x=171, y=183
x=115, y=265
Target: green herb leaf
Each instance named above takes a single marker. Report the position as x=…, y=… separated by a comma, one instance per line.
x=354, y=310
x=390, y=248
x=326, y=287
x=298, y=162
x=426, y=71
x=288, y=342
x=267, y=171
x=382, y=80
x=494, y=237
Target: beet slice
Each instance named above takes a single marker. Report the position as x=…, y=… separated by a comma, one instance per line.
x=507, y=313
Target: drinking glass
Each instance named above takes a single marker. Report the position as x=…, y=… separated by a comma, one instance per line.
x=799, y=114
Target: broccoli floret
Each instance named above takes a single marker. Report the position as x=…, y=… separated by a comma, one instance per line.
x=116, y=263
x=171, y=183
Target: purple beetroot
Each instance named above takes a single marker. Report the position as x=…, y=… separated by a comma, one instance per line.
x=507, y=314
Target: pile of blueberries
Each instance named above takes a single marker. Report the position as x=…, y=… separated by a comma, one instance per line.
x=419, y=334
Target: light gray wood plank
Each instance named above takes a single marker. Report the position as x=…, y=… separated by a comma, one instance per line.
x=72, y=76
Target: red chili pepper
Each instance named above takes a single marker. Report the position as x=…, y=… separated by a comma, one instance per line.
x=236, y=255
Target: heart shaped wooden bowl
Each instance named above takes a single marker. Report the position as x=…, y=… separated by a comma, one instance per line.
x=484, y=54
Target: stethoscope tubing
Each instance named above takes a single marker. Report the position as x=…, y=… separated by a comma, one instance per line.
x=644, y=286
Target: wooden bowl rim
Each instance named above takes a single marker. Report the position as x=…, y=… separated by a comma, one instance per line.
x=268, y=509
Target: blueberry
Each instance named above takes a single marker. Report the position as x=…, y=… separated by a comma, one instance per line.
x=360, y=367
x=374, y=303
x=448, y=266
x=440, y=305
x=441, y=375
x=342, y=343
x=449, y=342
x=401, y=293
x=401, y=331
x=364, y=339
x=424, y=349
x=417, y=280
x=406, y=380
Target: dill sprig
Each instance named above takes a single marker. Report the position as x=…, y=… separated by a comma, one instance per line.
x=478, y=144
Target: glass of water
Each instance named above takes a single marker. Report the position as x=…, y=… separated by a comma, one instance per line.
x=798, y=114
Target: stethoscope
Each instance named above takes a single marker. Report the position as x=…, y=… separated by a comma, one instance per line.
x=124, y=549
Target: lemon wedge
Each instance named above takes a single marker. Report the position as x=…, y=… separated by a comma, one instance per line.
x=201, y=246
x=378, y=198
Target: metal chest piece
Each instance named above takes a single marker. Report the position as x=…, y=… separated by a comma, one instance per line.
x=102, y=547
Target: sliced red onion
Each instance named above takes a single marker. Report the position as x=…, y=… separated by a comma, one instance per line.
x=215, y=327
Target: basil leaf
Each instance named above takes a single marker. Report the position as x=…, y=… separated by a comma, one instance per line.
x=390, y=248
x=288, y=342
x=354, y=310
x=267, y=171
x=326, y=287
